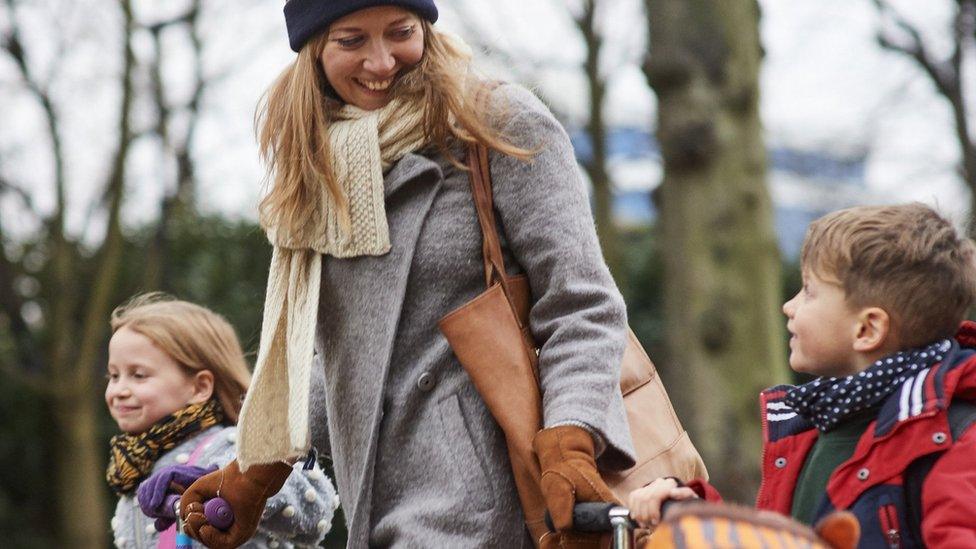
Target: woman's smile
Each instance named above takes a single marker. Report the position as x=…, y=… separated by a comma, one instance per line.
x=378, y=86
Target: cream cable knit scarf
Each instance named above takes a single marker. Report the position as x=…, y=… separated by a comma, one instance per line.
x=274, y=419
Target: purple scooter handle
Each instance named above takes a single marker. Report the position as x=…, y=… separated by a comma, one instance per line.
x=218, y=513
x=217, y=510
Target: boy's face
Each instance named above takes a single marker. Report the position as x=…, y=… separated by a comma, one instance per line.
x=823, y=329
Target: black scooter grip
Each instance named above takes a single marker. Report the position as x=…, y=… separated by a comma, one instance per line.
x=595, y=516
x=588, y=517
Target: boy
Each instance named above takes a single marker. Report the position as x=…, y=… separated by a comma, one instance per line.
x=884, y=291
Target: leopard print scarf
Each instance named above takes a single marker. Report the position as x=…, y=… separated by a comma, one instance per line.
x=132, y=456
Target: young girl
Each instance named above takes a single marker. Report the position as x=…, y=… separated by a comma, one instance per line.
x=176, y=378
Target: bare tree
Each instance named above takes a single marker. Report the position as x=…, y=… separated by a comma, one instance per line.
x=176, y=148
x=722, y=269
x=77, y=309
x=946, y=73
x=596, y=168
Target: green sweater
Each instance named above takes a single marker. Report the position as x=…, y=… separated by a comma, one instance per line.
x=829, y=451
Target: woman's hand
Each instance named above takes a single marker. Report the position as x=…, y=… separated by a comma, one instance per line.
x=246, y=493
x=645, y=503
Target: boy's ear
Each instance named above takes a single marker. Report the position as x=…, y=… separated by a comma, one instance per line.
x=873, y=329
x=203, y=386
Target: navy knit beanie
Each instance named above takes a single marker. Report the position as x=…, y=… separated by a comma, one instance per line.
x=306, y=18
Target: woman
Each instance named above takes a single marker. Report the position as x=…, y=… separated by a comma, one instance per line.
x=375, y=239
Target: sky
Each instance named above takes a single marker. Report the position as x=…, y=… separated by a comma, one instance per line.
x=826, y=86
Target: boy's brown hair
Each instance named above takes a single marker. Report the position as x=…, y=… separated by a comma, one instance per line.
x=906, y=259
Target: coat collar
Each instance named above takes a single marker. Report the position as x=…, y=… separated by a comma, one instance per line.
x=410, y=167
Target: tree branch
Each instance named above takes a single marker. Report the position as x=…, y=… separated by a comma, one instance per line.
x=940, y=72
x=7, y=186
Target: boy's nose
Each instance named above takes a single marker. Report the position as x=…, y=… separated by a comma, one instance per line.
x=789, y=307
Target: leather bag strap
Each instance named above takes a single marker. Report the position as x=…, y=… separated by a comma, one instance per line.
x=491, y=248
x=480, y=176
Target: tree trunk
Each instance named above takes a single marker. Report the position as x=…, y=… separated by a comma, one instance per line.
x=722, y=284
x=596, y=168
x=80, y=479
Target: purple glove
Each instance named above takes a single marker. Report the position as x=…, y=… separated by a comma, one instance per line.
x=172, y=479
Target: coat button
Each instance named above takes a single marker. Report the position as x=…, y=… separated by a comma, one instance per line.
x=150, y=529
x=939, y=438
x=780, y=462
x=426, y=381
x=323, y=526
x=182, y=458
x=863, y=474
x=288, y=512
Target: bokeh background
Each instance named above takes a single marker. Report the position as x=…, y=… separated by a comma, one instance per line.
x=711, y=132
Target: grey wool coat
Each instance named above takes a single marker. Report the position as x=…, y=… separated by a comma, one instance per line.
x=419, y=461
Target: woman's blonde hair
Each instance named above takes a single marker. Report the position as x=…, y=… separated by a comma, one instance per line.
x=293, y=117
x=195, y=337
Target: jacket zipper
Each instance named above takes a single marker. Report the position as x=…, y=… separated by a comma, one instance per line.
x=761, y=494
x=888, y=516
x=139, y=526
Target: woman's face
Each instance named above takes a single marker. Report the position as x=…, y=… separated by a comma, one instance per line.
x=145, y=384
x=366, y=51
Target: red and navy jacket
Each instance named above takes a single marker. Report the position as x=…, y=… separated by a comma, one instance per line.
x=912, y=423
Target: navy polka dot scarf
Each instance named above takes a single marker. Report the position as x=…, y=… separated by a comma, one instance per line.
x=826, y=401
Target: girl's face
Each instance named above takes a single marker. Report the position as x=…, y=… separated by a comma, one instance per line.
x=145, y=384
x=368, y=50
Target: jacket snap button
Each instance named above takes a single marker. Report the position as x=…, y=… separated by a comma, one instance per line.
x=780, y=462
x=939, y=438
x=426, y=381
x=863, y=474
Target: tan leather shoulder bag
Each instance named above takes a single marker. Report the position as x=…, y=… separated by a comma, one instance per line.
x=490, y=337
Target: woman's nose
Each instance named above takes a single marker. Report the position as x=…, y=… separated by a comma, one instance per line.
x=379, y=59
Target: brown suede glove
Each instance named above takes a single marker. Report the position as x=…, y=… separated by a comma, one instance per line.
x=245, y=492
x=569, y=475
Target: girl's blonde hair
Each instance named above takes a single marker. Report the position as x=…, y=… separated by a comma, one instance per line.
x=195, y=337
x=293, y=117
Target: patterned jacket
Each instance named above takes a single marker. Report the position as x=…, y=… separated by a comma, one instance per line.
x=298, y=516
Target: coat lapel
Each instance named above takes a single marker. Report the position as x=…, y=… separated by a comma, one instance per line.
x=359, y=311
